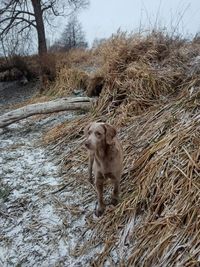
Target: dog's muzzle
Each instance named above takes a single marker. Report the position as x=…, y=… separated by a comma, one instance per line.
x=87, y=144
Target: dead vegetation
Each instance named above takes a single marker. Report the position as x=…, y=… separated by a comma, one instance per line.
x=15, y=67
x=151, y=93
x=157, y=220
x=148, y=87
x=67, y=80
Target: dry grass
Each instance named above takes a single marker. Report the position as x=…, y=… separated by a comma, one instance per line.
x=68, y=79
x=146, y=69
x=16, y=66
x=160, y=188
x=151, y=93
x=82, y=57
x=72, y=72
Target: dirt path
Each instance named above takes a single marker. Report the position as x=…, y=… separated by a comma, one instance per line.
x=13, y=92
x=39, y=226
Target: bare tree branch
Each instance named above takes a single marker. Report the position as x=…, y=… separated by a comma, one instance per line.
x=25, y=12
x=6, y=7
x=22, y=15
x=13, y=23
x=11, y=19
x=24, y=28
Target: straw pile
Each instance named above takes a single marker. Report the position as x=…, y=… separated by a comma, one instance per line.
x=67, y=80
x=151, y=93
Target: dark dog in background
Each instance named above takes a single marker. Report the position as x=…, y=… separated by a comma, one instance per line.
x=105, y=159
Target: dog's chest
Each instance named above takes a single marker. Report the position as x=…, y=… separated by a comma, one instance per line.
x=104, y=166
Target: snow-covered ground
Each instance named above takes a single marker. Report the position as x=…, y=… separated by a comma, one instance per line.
x=39, y=226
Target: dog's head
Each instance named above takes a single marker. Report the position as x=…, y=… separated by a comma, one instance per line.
x=99, y=134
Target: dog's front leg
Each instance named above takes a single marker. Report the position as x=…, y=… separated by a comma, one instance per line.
x=90, y=165
x=99, y=181
x=116, y=189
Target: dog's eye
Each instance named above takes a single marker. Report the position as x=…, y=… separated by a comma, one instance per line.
x=89, y=132
x=98, y=134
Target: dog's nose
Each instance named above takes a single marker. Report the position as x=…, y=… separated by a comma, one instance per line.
x=87, y=143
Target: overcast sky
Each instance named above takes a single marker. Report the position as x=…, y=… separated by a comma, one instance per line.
x=104, y=17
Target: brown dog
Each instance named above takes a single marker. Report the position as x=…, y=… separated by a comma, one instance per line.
x=105, y=159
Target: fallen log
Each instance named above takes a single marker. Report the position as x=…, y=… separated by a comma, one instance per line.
x=73, y=103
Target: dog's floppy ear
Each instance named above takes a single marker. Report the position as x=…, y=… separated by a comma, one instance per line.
x=87, y=128
x=110, y=133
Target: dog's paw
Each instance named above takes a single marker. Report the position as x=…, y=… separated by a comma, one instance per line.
x=114, y=201
x=91, y=181
x=99, y=210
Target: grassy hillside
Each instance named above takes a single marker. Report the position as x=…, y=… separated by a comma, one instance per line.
x=150, y=92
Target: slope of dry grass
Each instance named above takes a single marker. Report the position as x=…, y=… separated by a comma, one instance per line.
x=151, y=93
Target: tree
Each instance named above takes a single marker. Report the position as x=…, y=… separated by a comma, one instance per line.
x=73, y=36
x=25, y=15
x=16, y=44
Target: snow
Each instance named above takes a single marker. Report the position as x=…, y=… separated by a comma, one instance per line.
x=37, y=227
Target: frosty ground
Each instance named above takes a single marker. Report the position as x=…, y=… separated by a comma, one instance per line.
x=40, y=225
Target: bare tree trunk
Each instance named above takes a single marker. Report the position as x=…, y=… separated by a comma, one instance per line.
x=45, y=66
x=42, y=46
x=74, y=36
x=76, y=103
